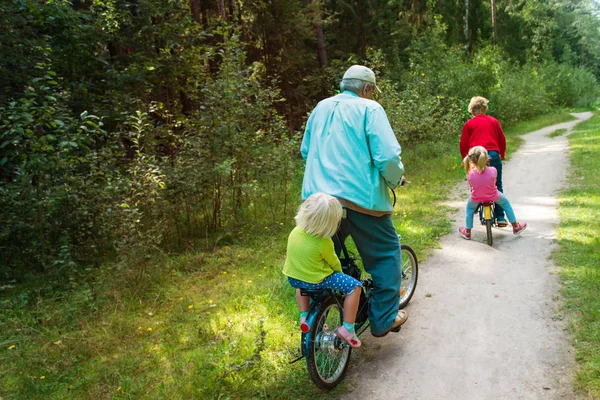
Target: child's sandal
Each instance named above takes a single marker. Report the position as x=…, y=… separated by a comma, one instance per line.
x=348, y=337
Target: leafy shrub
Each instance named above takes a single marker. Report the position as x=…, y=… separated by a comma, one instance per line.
x=49, y=177
x=569, y=86
x=235, y=165
x=520, y=95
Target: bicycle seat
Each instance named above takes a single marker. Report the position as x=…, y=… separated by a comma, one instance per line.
x=315, y=293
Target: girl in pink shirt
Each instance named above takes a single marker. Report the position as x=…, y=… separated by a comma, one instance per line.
x=482, y=180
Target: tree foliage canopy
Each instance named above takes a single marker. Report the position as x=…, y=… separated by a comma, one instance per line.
x=131, y=127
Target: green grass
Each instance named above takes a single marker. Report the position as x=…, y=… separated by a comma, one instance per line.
x=558, y=132
x=579, y=252
x=210, y=325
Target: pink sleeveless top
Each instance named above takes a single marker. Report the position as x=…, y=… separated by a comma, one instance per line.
x=483, y=185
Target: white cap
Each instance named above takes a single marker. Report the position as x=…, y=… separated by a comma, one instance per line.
x=362, y=73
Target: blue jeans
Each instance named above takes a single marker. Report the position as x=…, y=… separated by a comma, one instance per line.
x=377, y=243
x=496, y=162
x=501, y=202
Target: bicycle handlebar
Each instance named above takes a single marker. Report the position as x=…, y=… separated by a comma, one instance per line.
x=402, y=183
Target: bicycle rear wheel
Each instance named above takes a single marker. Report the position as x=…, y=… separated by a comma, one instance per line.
x=410, y=274
x=328, y=356
x=488, y=230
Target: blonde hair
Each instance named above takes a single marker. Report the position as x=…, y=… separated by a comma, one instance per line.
x=477, y=157
x=319, y=215
x=478, y=105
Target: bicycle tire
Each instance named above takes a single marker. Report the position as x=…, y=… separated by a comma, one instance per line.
x=328, y=356
x=410, y=275
x=488, y=230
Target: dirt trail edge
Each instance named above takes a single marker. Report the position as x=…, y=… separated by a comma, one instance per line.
x=485, y=321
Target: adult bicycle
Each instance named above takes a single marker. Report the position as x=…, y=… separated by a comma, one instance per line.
x=328, y=356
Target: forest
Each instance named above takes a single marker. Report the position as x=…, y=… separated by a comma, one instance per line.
x=132, y=128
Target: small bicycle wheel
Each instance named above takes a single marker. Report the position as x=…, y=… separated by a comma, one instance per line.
x=488, y=229
x=410, y=274
x=328, y=356
x=479, y=212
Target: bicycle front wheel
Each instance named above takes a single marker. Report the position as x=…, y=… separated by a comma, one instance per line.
x=328, y=356
x=410, y=274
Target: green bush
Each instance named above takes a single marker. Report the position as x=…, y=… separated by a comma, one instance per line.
x=520, y=95
x=50, y=179
x=235, y=165
x=570, y=86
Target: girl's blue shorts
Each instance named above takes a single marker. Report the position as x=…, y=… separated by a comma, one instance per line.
x=336, y=281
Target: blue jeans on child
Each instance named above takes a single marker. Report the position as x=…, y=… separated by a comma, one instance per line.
x=501, y=202
x=336, y=281
x=496, y=162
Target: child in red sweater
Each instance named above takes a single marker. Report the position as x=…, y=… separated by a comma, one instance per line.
x=484, y=130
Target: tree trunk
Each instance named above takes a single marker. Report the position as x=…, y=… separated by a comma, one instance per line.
x=195, y=7
x=494, y=22
x=221, y=9
x=467, y=26
x=321, y=50
x=363, y=38
x=315, y=10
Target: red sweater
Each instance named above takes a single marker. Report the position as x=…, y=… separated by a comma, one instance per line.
x=482, y=130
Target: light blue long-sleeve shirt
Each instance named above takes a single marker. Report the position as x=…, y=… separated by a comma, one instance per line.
x=351, y=152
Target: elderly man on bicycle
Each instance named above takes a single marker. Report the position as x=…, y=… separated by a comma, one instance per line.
x=352, y=153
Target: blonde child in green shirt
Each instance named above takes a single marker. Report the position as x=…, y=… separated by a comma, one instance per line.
x=311, y=262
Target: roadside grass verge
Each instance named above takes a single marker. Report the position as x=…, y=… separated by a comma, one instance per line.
x=210, y=325
x=578, y=253
x=558, y=132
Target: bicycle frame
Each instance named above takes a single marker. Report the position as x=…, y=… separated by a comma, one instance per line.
x=486, y=212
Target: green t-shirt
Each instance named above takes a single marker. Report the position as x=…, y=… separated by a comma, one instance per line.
x=310, y=258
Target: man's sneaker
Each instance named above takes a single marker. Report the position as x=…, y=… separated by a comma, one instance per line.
x=463, y=232
x=399, y=319
x=520, y=228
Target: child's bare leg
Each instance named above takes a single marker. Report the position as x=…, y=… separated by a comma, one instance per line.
x=351, y=306
x=346, y=331
x=303, y=301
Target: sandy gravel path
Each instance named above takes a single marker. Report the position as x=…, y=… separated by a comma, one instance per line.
x=485, y=321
